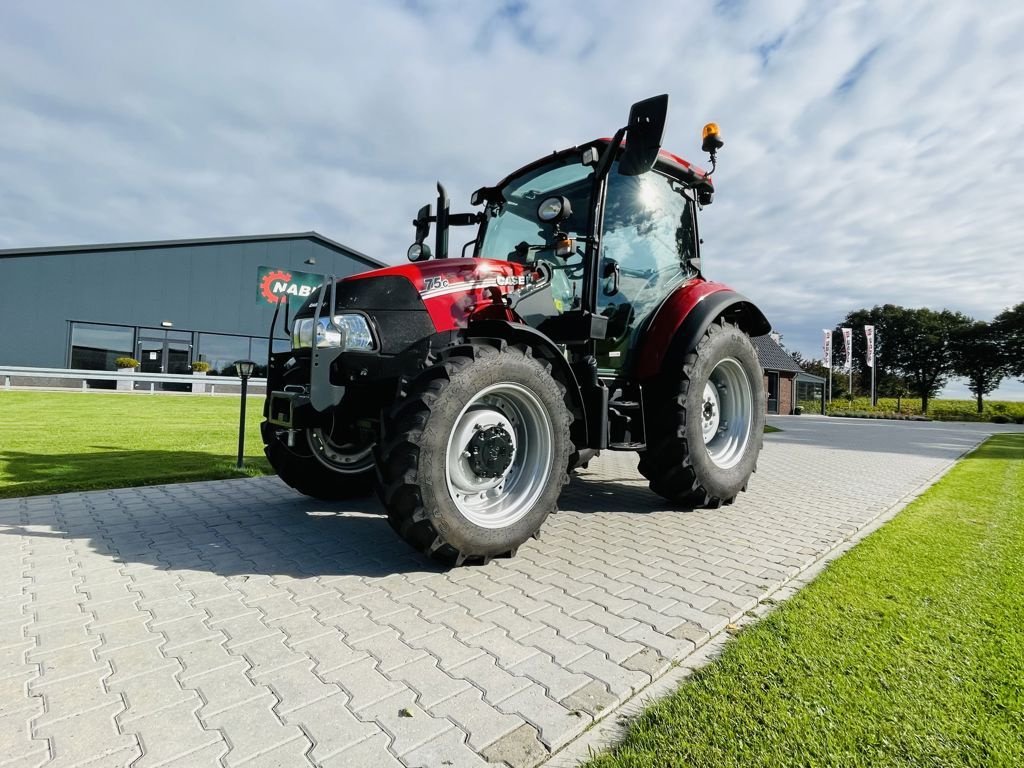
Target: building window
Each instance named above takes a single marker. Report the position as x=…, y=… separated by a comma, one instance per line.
x=96, y=347
x=221, y=351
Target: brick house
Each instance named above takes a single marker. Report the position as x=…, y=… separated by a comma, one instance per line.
x=780, y=372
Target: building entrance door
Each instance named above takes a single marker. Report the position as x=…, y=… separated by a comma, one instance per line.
x=773, y=392
x=165, y=352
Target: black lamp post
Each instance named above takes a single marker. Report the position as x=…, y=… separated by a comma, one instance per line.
x=244, y=369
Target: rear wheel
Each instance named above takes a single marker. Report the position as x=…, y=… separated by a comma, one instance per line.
x=706, y=422
x=477, y=452
x=320, y=465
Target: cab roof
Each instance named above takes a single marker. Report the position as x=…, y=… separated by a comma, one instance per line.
x=667, y=163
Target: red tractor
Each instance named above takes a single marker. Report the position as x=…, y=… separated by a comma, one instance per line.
x=467, y=389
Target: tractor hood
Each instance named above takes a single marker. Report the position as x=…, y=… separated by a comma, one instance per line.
x=450, y=290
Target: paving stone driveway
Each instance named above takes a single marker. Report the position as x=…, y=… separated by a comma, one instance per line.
x=238, y=623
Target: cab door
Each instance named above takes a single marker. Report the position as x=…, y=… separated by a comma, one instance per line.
x=648, y=246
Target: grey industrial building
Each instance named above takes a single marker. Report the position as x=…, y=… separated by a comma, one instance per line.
x=165, y=303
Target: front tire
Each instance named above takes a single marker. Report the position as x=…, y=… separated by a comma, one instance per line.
x=316, y=466
x=476, y=454
x=706, y=422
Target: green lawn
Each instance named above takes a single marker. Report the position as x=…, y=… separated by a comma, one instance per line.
x=907, y=651
x=52, y=442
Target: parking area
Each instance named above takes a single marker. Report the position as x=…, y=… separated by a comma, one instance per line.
x=238, y=623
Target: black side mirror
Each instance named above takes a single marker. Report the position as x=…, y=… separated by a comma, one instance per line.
x=644, y=135
x=422, y=222
x=610, y=270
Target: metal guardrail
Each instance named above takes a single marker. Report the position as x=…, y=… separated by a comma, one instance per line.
x=7, y=372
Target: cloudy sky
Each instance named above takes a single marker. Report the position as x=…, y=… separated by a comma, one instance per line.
x=874, y=150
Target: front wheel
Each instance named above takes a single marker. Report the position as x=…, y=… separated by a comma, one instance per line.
x=707, y=422
x=477, y=453
x=317, y=464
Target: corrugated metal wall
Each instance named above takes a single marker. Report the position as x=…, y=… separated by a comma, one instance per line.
x=209, y=287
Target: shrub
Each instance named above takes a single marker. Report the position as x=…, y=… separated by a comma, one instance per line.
x=126, y=362
x=1000, y=419
x=200, y=366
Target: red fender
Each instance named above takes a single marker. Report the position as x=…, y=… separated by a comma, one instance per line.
x=674, y=311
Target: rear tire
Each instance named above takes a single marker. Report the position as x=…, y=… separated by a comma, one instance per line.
x=316, y=467
x=706, y=422
x=476, y=453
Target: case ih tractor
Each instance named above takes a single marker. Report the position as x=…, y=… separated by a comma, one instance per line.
x=466, y=387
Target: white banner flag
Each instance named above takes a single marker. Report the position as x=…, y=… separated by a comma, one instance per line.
x=869, y=333
x=848, y=348
x=828, y=346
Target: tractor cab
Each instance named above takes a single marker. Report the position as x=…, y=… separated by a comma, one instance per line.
x=609, y=228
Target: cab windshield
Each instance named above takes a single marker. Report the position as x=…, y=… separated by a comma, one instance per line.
x=513, y=220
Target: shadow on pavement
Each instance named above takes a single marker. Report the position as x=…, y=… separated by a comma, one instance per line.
x=229, y=528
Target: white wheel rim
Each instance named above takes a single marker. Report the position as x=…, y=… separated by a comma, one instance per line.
x=727, y=410
x=517, y=416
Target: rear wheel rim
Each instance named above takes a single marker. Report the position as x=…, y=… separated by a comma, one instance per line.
x=515, y=414
x=726, y=413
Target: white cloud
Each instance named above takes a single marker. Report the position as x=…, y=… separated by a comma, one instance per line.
x=873, y=150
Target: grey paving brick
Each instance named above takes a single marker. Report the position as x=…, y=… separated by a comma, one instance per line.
x=330, y=652
x=520, y=749
x=370, y=752
x=496, y=683
x=558, y=681
x=449, y=750
x=243, y=628
x=364, y=683
x=224, y=688
x=205, y=655
x=446, y=648
x=88, y=736
x=301, y=626
x=387, y=647
x=620, y=680
x=409, y=725
x=430, y=683
x=496, y=642
x=253, y=729
x=173, y=734
x=478, y=718
x=557, y=724
x=593, y=698
x=330, y=724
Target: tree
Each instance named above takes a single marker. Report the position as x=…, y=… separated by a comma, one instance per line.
x=1009, y=325
x=980, y=356
x=886, y=319
x=912, y=347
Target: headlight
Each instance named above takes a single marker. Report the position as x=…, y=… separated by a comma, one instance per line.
x=348, y=331
x=554, y=209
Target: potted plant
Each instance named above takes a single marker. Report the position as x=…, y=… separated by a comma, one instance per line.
x=199, y=368
x=125, y=365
